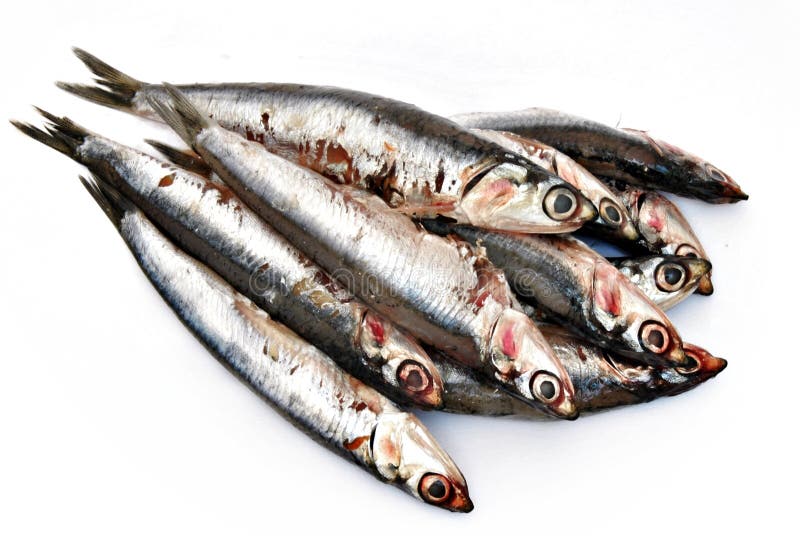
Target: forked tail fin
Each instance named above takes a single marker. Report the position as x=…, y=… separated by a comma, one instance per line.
x=114, y=89
x=60, y=133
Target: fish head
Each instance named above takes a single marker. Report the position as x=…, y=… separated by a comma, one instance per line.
x=614, y=218
x=666, y=279
x=702, y=367
x=513, y=197
x=403, y=363
x=617, y=306
x=522, y=358
x=405, y=453
x=662, y=224
x=695, y=174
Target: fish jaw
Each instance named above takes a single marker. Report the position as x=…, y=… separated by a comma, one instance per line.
x=404, y=364
x=705, y=286
x=505, y=199
x=405, y=453
x=522, y=358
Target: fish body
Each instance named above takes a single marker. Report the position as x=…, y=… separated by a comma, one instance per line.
x=602, y=379
x=304, y=384
x=612, y=218
x=666, y=279
x=441, y=290
x=419, y=163
x=572, y=283
x=628, y=155
x=207, y=219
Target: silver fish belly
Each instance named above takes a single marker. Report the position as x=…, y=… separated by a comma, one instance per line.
x=438, y=289
x=304, y=384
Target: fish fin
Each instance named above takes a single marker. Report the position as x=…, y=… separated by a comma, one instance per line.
x=110, y=200
x=188, y=160
x=117, y=91
x=60, y=134
x=180, y=114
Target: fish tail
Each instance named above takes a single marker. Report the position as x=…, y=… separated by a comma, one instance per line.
x=115, y=89
x=60, y=133
x=113, y=203
x=180, y=114
x=188, y=160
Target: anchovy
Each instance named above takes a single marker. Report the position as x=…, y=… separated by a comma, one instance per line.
x=612, y=218
x=438, y=289
x=602, y=380
x=211, y=223
x=631, y=156
x=572, y=283
x=300, y=381
x=662, y=227
x=419, y=163
x=666, y=279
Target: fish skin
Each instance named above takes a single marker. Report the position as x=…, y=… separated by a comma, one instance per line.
x=647, y=273
x=441, y=290
x=301, y=382
x=628, y=155
x=612, y=218
x=662, y=227
x=419, y=163
x=602, y=379
x=570, y=282
x=209, y=221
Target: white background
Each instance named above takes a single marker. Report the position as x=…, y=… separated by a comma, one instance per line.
x=114, y=420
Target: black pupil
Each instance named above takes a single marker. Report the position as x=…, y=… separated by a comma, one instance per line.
x=656, y=339
x=437, y=490
x=563, y=204
x=672, y=275
x=414, y=379
x=612, y=214
x=548, y=389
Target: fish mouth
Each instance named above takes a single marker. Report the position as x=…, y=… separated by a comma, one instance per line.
x=705, y=287
x=629, y=231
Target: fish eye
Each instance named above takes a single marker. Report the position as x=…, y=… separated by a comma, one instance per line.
x=716, y=174
x=560, y=203
x=693, y=367
x=685, y=250
x=413, y=376
x=545, y=387
x=610, y=212
x=670, y=276
x=654, y=337
x=434, y=488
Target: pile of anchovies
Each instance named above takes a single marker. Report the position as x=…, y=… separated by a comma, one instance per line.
x=348, y=255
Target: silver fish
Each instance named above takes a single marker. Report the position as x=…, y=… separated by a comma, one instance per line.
x=666, y=279
x=300, y=381
x=612, y=218
x=572, y=283
x=419, y=163
x=211, y=223
x=602, y=379
x=438, y=289
x=629, y=155
x=662, y=227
